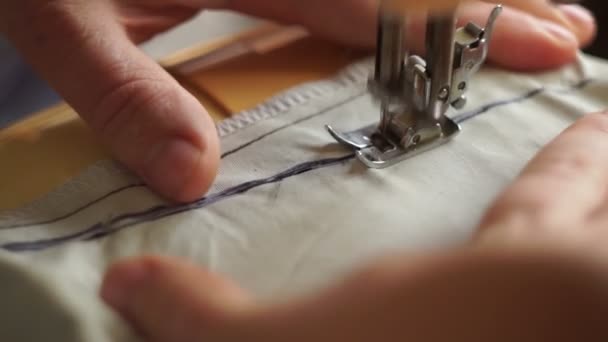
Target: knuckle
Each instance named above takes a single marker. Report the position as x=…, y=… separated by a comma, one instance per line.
x=537, y=198
x=523, y=207
x=568, y=167
x=595, y=122
x=120, y=106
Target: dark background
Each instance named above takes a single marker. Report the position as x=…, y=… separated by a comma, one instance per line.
x=600, y=9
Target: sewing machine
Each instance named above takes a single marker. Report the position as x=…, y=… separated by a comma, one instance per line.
x=415, y=94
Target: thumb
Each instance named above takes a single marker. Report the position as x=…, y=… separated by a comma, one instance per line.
x=193, y=305
x=147, y=119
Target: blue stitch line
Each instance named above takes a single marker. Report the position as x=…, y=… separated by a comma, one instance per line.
x=231, y=152
x=76, y=211
x=118, y=223
x=527, y=96
x=92, y=233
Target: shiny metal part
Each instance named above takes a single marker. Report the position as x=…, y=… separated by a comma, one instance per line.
x=414, y=94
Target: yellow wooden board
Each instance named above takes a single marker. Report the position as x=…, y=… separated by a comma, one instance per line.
x=45, y=150
x=246, y=81
x=34, y=161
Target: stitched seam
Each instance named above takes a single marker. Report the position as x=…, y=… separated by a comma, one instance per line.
x=297, y=96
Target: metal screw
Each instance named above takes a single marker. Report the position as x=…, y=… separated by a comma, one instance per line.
x=416, y=140
x=460, y=102
x=444, y=93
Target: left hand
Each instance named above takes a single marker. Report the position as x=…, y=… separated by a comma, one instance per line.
x=539, y=259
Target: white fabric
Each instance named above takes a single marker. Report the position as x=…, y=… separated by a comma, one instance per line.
x=292, y=235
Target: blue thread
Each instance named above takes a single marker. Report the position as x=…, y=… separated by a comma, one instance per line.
x=118, y=223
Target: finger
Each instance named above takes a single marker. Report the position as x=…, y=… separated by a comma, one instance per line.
x=521, y=41
x=582, y=22
x=280, y=7
x=408, y=5
x=477, y=295
x=573, y=17
x=170, y=300
x=560, y=188
x=600, y=219
x=150, y=123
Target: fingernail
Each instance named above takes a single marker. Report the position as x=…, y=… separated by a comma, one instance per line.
x=119, y=287
x=559, y=33
x=577, y=14
x=170, y=165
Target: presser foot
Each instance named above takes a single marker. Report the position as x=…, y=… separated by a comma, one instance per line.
x=379, y=151
x=415, y=94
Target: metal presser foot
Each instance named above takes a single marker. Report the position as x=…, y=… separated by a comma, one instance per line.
x=415, y=94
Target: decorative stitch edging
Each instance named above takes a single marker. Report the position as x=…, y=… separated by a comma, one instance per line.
x=354, y=74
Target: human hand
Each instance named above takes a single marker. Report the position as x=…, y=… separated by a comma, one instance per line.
x=562, y=195
x=86, y=50
x=539, y=260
